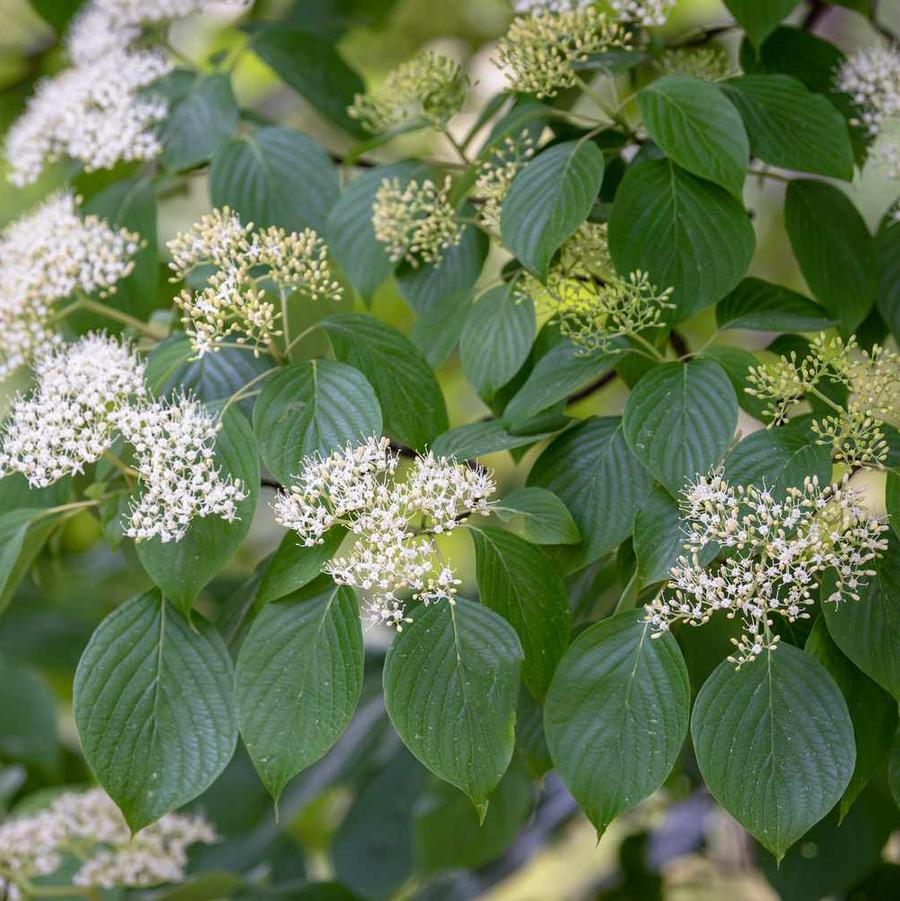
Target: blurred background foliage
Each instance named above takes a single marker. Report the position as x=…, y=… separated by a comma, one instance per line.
x=368, y=816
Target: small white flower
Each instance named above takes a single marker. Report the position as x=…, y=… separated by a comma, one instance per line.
x=871, y=77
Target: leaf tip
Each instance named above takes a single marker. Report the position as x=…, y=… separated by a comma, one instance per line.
x=481, y=808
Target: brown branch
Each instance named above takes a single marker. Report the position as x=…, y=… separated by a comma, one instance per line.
x=588, y=390
x=679, y=344
x=817, y=10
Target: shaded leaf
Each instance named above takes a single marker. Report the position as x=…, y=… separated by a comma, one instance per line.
x=761, y=306
x=545, y=518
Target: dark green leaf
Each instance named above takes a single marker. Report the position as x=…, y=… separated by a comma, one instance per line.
x=519, y=582
x=475, y=439
x=411, y=401
x=273, y=176
x=680, y=419
x=616, y=715
x=801, y=55
x=22, y=535
x=548, y=199
x=182, y=568
x=737, y=364
x=591, y=469
x=496, y=339
x=835, y=251
x=791, y=127
x=293, y=565
x=697, y=126
x=57, y=12
x=309, y=408
x=451, y=679
x=314, y=69
x=779, y=458
x=202, y=120
x=658, y=536
x=545, y=518
x=559, y=373
x=872, y=710
x=868, y=630
x=892, y=499
x=530, y=742
x=298, y=679
x=762, y=306
x=887, y=259
x=154, y=709
x=686, y=233
x=774, y=744
x=351, y=237
x=759, y=18
x=27, y=717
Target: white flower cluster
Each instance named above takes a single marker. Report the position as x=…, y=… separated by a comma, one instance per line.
x=92, y=390
x=415, y=221
x=643, y=12
x=68, y=422
x=45, y=256
x=429, y=86
x=393, y=517
x=871, y=77
x=773, y=550
x=174, y=445
x=539, y=50
x=95, y=112
x=90, y=824
x=233, y=302
x=496, y=174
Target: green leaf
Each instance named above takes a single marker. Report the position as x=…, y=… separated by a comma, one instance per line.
x=411, y=400
x=686, y=233
x=309, y=408
x=441, y=295
x=835, y=251
x=868, y=630
x=202, y=120
x=658, y=536
x=616, y=715
x=872, y=710
x=774, y=743
x=351, y=236
x=451, y=679
x=212, y=378
x=27, y=717
x=594, y=473
x=779, y=458
x=496, y=339
x=680, y=419
x=273, y=176
x=737, y=364
x=761, y=306
x=154, y=708
x=697, y=126
x=759, y=18
x=887, y=260
x=801, y=55
x=23, y=533
x=475, y=439
x=448, y=835
x=519, y=582
x=293, y=565
x=790, y=127
x=182, y=568
x=546, y=519
x=298, y=679
x=57, y=12
x=549, y=198
x=530, y=742
x=559, y=373
x=131, y=204
x=892, y=499
x=314, y=69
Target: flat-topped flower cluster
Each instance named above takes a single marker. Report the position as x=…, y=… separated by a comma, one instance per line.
x=47, y=255
x=89, y=826
x=772, y=546
x=234, y=302
x=394, y=516
x=89, y=392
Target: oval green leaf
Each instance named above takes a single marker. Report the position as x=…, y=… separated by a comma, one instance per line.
x=154, y=709
x=764, y=307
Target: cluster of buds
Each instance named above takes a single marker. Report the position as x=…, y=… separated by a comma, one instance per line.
x=87, y=826
x=48, y=255
x=415, y=220
x=428, y=88
x=496, y=174
x=871, y=378
x=540, y=50
x=394, y=518
x=774, y=548
x=706, y=63
x=233, y=301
